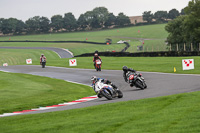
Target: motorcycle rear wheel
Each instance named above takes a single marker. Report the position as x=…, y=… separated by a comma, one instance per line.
x=120, y=94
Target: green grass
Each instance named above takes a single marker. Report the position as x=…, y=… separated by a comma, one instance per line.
x=19, y=56
x=155, y=64
x=149, y=31
x=23, y=91
x=150, y=64
x=155, y=32
x=169, y=114
x=75, y=48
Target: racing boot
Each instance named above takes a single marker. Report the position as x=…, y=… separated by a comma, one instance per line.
x=114, y=86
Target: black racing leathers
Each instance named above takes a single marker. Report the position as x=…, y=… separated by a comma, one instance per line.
x=127, y=73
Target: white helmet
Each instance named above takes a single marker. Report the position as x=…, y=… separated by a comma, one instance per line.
x=94, y=78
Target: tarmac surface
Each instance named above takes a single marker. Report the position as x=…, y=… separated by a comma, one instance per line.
x=62, y=53
x=158, y=84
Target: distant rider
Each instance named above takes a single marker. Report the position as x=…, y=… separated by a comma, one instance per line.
x=127, y=73
x=43, y=60
x=96, y=57
x=94, y=79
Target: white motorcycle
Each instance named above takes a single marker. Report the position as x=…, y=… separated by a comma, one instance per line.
x=107, y=91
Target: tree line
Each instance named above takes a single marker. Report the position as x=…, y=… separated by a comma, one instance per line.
x=184, y=31
x=161, y=16
x=98, y=18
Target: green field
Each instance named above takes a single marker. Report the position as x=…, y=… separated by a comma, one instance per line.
x=75, y=48
x=169, y=114
x=155, y=64
x=149, y=31
x=23, y=92
x=156, y=34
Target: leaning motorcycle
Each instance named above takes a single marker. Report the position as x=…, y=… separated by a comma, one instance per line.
x=98, y=65
x=107, y=91
x=137, y=80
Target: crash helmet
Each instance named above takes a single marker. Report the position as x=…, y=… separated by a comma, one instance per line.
x=42, y=54
x=95, y=54
x=124, y=68
x=94, y=79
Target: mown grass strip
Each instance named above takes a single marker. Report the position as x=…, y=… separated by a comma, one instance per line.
x=175, y=113
x=22, y=92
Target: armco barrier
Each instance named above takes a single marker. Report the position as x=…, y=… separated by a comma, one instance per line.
x=144, y=54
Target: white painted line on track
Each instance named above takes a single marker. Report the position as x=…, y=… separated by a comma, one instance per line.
x=84, y=99
x=77, y=83
x=69, y=52
x=4, y=71
x=56, y=53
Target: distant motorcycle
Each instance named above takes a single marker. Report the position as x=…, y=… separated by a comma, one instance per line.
x=43, y=63
x=107, y=91
x=137, y=80
x=98, y=65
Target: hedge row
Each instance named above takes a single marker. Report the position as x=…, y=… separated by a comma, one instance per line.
x=144, y=54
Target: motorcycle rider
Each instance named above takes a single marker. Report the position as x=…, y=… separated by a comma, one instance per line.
x=96, y=57
x=43, y=60
x=94, y=79
x=127, y=73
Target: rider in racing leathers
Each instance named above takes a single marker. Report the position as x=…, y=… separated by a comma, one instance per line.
x=43, y=60
x=94, y=79
x=96, y=57
x=127, y=73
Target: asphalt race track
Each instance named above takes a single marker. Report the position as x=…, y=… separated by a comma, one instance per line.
x=62, y=53
x=159, y=84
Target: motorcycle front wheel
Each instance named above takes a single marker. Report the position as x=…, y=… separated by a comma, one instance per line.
x=106, y=95
x=139, y=84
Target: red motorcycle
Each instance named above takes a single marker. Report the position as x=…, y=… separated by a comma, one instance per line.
x=137, y=80
x=98, y=65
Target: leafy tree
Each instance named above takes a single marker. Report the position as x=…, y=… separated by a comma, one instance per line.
x=33, y=24
x=1, y=22
x=89, y=17
x=97, y=17
x=160, y=16
x=176, y=30
x=20, y=27
x=122, y=20
x=192, y=21
x=182, y=12
x=44, y=24
x=69, y=22
x=186, y=28
x=111, y=20
x=147, y=16
x=173, y=14
x=9, y=25
x=100, y=16
x=82, y=22
x=57, y=22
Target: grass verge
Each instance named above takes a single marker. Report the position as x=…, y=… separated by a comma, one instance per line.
x=75, y=48
x=150, y=64
x=23, y=91
x=149, y=31
x=169, y=114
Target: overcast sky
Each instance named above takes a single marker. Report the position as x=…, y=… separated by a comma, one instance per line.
x=25, y=9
